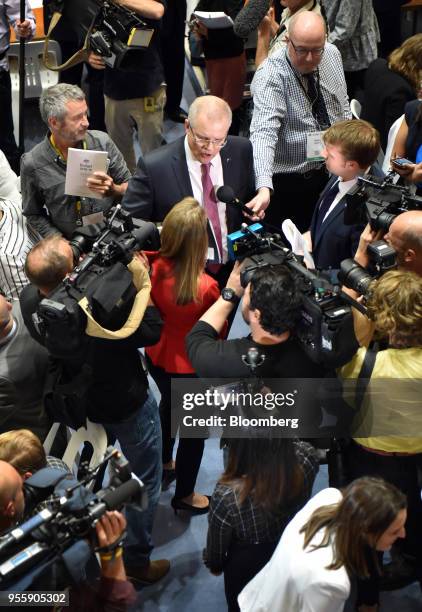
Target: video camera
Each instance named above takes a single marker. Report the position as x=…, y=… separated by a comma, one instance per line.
x=325, y=308
x=55, y=534
x=102, y=277
x=109, y=29
x=378, y=202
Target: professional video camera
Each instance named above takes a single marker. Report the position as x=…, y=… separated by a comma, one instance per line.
x=325, y=308
x=109, y=29
x=378, y=202
x=62, y=532
x=102, y=277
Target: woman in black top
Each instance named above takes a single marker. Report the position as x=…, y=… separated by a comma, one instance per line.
x=267, y=480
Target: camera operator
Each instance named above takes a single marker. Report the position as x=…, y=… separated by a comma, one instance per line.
x=271, y=307
x=115, y=390
x=404, y=236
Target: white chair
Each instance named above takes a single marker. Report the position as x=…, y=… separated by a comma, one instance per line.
x=96, y=436
x=356, y=108
x=37, y=76
x=390, y=143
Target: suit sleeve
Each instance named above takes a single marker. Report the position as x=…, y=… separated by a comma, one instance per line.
x=138, y=199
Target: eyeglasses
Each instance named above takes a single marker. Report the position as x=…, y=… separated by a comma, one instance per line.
x=302, y=52
x=205, y=142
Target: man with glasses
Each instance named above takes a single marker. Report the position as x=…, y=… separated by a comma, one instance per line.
x=196, y=165
x=301, y=91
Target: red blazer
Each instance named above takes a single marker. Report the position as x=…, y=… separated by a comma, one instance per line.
x=170, y=353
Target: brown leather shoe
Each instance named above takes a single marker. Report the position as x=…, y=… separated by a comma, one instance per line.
x=149, y=573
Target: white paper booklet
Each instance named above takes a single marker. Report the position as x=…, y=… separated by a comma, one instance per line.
x=297, y=242
x=81, y=163
x=214, y=20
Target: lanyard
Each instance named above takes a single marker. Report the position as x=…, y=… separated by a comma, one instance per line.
x=78, y=203
x=311, y=102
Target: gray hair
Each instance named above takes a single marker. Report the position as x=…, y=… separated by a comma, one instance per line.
x=212, y=107
x=54, y=99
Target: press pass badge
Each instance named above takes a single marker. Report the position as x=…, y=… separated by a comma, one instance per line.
x=314, y=146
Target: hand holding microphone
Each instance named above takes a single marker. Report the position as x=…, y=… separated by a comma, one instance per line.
x=226, y=194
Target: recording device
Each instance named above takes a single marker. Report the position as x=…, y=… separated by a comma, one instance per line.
x=226, y=194
x=111, y=30
x=326, y=310
x=102, y=277
x=70, y=514
x=382, y=257
x=378, y=202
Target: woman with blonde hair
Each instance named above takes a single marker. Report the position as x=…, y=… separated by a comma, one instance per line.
x=387, y=440
x=391, y=84
x=182, y=292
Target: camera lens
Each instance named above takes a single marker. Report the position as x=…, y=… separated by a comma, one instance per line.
x=355, y=277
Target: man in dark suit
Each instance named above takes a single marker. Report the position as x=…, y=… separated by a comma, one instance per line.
x=351, y=147
x=195, y=165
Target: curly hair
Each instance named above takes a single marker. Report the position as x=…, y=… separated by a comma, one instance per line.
x=395, y=305
x=275, y=293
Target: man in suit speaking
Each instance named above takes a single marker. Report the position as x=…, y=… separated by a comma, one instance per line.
x=196, y=165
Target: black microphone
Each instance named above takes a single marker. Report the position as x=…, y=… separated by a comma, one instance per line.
x=226, y=194
x=249, y=18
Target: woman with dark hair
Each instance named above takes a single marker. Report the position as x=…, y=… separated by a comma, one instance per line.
x=332, y=539
x=182, y=292
x=267, y=480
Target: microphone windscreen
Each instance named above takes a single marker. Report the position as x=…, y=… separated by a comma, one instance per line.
x=124, y=493
x=249, y=18
x=225, y=194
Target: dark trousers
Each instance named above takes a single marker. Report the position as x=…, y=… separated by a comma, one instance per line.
x=244, y=562
x=403, y=472
x=173, y=52
x=190, y=450
x=295, y=196
x=7, y=137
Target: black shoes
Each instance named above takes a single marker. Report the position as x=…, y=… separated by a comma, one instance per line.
x=178, y=115
x=178, y=504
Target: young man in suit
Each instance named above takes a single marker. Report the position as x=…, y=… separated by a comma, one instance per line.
x=196, y=165
x=351, y=147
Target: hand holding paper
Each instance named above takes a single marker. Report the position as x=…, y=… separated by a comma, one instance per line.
x=101, y=183
x=297, y=242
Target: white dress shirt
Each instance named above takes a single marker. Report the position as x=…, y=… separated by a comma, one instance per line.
x=343, y=188
x=216, y=173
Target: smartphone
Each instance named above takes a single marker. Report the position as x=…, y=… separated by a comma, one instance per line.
x=401, y=161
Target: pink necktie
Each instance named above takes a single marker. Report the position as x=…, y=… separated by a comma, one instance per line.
x=211, y=208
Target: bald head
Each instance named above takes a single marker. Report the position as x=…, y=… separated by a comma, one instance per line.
x=6, y=318
x=210, y=107
x=11, y=495
x=48, y=262
x=405, y=236
x=306, y=41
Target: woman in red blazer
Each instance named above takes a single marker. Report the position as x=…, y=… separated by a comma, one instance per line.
x=182, y=292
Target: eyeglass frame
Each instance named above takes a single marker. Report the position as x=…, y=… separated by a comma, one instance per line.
x=303, y=52
x=207, y=141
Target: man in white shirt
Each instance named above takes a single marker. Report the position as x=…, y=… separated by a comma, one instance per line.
x=351, y=147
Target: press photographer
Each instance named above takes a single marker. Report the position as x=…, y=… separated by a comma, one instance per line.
x=107, y=383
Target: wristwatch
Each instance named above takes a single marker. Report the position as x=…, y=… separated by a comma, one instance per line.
x=229, y=295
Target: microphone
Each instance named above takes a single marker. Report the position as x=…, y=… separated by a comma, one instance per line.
x=226, y=194
x=249, y=18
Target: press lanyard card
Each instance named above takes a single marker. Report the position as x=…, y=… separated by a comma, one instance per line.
x=314, y=146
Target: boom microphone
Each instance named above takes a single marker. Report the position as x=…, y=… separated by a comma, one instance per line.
x=249, y=18
x=226, y=194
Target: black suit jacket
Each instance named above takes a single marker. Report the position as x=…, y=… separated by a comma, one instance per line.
x=386, y=94
x=335, y=241
x=162, y=179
